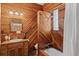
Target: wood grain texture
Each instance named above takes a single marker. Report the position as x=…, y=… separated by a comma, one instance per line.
x=57, y=37
x=0, y=29
x=29, y=19
x=44, y=28
x=0, y=23
x=14, y=49
x=38, y=26
x=42, y=53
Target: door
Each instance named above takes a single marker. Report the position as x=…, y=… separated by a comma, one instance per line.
x=44, y=29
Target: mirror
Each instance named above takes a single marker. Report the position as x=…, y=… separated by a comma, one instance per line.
x=16, y=25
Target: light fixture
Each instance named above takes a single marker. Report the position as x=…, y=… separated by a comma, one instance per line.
x=11, y=12
x=16, y=13
x=21, y=14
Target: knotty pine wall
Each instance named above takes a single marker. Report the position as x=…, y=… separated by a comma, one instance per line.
x=29, y=19
x=0, y=23
x=0, y=27
x=57, y=37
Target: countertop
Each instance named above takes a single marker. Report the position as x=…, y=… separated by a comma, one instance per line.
x=14, y=41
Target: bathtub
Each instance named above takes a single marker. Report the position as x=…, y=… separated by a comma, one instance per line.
x=53, y=52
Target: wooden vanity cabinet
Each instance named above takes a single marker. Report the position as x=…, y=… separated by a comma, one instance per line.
x=15, y=49
x=12, y=49
x=3, y=50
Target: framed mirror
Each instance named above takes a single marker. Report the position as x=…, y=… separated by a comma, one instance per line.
x=16, y=25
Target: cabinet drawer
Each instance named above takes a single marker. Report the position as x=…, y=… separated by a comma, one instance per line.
x=3, y=46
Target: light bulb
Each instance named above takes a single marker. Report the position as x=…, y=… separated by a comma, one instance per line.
x=11, y=12
x=16, y=13
x=21, y=14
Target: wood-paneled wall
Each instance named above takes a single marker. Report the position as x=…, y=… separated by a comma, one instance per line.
x=0, y=27
x=30, y=22
x=29, y=19
x=0, y=23
x=57, y=37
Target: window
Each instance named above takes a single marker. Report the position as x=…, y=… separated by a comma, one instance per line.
x=55, y=20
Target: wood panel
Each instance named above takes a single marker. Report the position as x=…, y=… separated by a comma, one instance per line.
x=36, y=29
x=0, y=29
x=42, y=53
x=29, y=19
x=0, y=23
x=57, y=37
x=29, y=11
x=44, y=28
x=14, y=49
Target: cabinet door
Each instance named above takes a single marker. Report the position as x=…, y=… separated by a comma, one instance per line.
x=20, y=51
x=12, y=52
x=3, y=50
x=25, y=49
x=13, y=49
